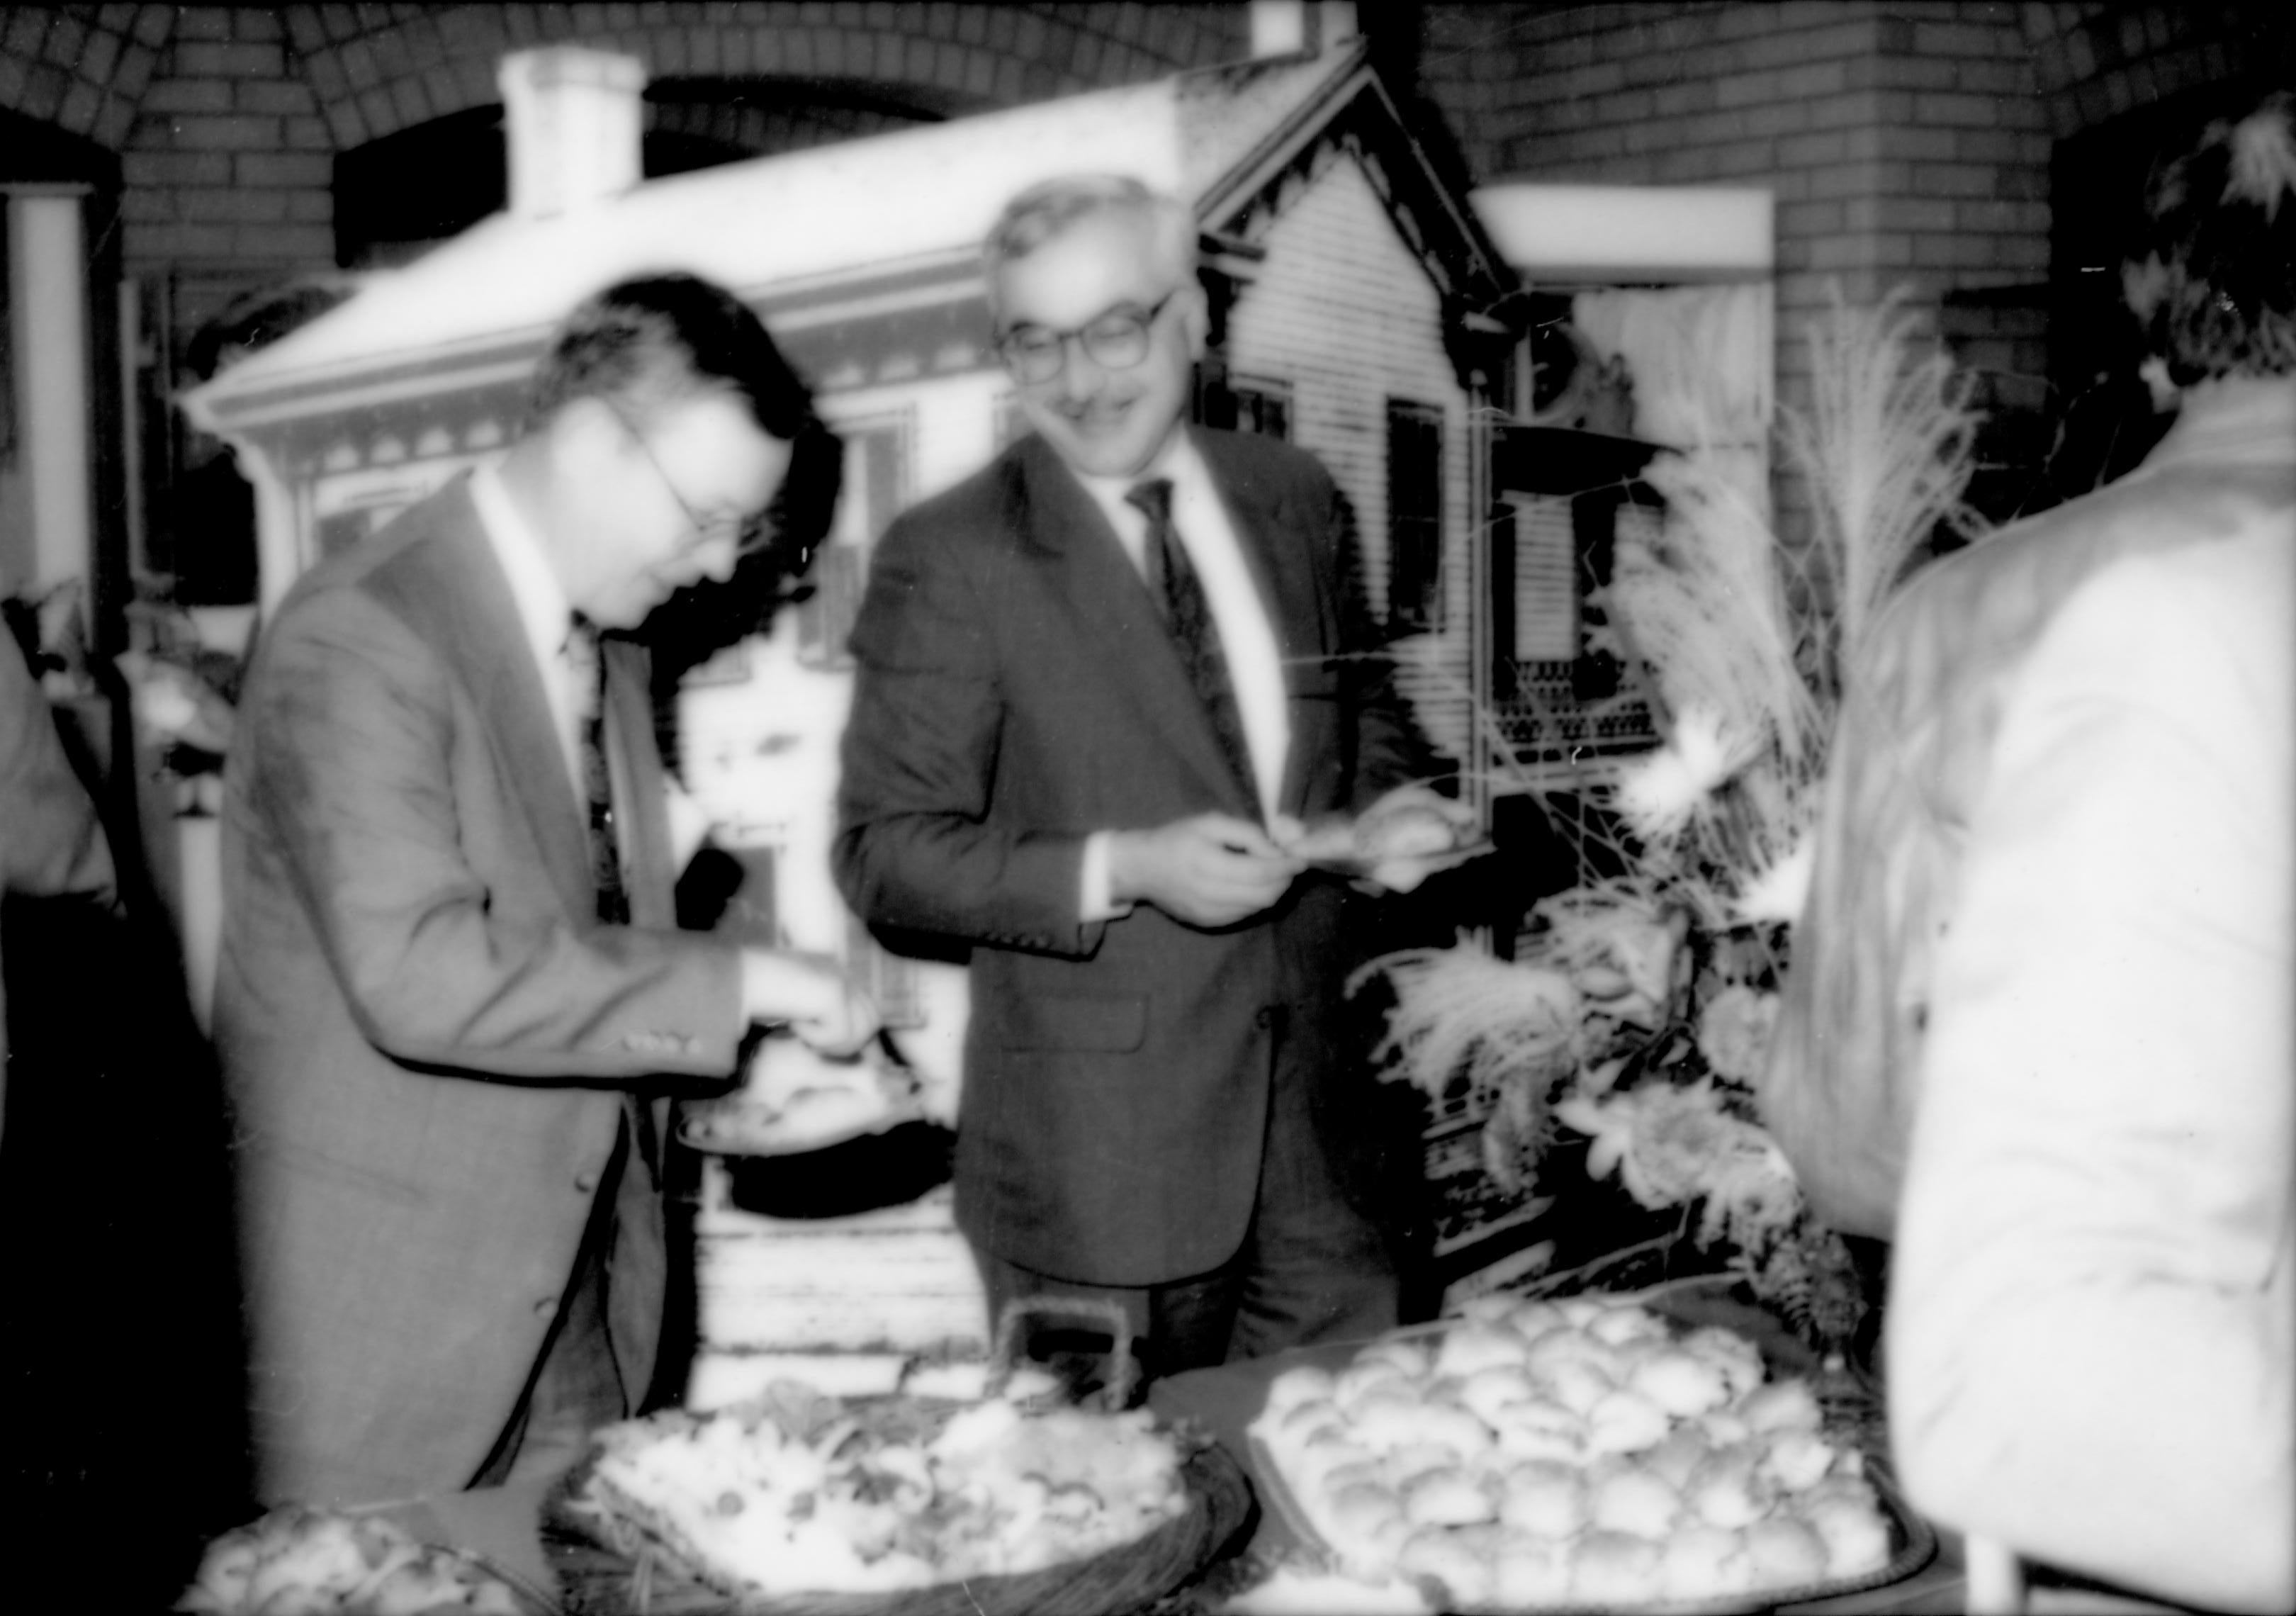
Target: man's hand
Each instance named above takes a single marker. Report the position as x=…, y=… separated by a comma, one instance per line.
x=1212, y=870
x=1406, y=809
x=811, y=995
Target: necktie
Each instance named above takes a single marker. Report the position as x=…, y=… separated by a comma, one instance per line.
x=1173, y=582
x=586, y=657
x=582, y=653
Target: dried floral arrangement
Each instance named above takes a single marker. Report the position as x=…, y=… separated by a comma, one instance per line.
x=1637, y=1012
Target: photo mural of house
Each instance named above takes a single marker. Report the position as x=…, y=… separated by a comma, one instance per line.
x=1350, y=285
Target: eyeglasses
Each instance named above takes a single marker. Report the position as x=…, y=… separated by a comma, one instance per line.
x=1115, y=340
x=749, y=533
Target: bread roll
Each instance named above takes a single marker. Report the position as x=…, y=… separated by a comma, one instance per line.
x=1467, y=1348
x=1296, y=1424
x=1575, y=1382
x=1781, y=1406
x=1677, y=1459
x=1408, y=1463
x=1625, y=1421
x=1488, y=1392
x=1407, y=1355
x=1614, y=1568
x=1531, y=1572
x=1797, y=1459
x=1626, y=1322
x=1729, y=1489
x=1785, y=1553
x=1857, y=1538
x=1545, y=1499
x=1679, y=1381
x=1300, y=1383
x=1322, y=1464
x=1532, y=1319
x=1583, y=1310
x=1540, y=1428
x=1733, y=1357
x=1446, y=1497
x=1359, y=1380
x=1705, y=1562
x=1383, y=1423
x=1634, y=1501
x=1360, y=1508
x=1432, y=1552
x=1454, y=1428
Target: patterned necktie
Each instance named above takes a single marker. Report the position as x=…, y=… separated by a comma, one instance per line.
x=583, y=655
x=1173, y=583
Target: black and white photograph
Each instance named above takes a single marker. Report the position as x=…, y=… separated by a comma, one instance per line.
x=860, y=807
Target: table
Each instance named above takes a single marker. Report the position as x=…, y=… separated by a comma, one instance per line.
x=501, y=1523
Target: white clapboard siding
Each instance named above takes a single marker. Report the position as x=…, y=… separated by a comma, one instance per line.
x=1342, y=309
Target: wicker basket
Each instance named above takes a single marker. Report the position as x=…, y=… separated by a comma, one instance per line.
x=609, y=1564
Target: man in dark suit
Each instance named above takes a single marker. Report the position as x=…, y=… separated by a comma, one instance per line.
x=451, y=996
x=1102, y=685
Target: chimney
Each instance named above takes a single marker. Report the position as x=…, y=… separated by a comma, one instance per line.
x=1284, y=27
x=570, y=119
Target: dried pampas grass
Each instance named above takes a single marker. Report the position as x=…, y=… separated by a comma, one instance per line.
x=1459, y=1011
x=1886, y=448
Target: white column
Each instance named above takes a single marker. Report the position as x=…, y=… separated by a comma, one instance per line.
x=48, y=271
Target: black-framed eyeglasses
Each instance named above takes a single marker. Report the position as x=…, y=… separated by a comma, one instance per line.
x=749, y=533
x=1116, y=340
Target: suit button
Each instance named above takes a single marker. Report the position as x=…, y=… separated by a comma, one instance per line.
x=546, y=1306
x=586, y=1181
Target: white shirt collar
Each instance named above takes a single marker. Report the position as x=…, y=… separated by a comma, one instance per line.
x=1179, y=462
x=543, y=608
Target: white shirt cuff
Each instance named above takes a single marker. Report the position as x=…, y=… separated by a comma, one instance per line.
x=1095, y=901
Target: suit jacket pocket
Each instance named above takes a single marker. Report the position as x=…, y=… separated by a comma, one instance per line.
x=1112, y=1022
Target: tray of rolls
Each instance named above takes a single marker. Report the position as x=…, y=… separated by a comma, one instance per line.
x=1592, y=1453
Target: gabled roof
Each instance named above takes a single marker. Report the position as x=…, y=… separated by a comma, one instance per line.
x=897, y=209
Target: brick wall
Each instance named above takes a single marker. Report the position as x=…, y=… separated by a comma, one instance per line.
x=1907, y=139
x=1904, y=143
x=227, y=119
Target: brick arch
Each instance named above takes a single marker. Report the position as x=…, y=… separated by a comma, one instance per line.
x=82, y=69
x=2096, y=59
x=374, y=74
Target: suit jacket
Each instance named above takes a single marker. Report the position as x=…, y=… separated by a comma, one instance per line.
x=424, y=1032
x=1914, y=753
x=2092, y=1293
x=51, y=843
x=1017, y=692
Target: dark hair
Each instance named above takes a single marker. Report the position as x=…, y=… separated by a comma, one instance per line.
x=644, y=345
x=647, y=343
x=2213, y=281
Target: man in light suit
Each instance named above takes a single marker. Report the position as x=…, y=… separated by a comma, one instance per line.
x=1103, y=682
x=452, y=1003
x=2039, y=1028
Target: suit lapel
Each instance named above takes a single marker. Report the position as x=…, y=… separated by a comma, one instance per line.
x=451, y=589
x=1105, y=593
